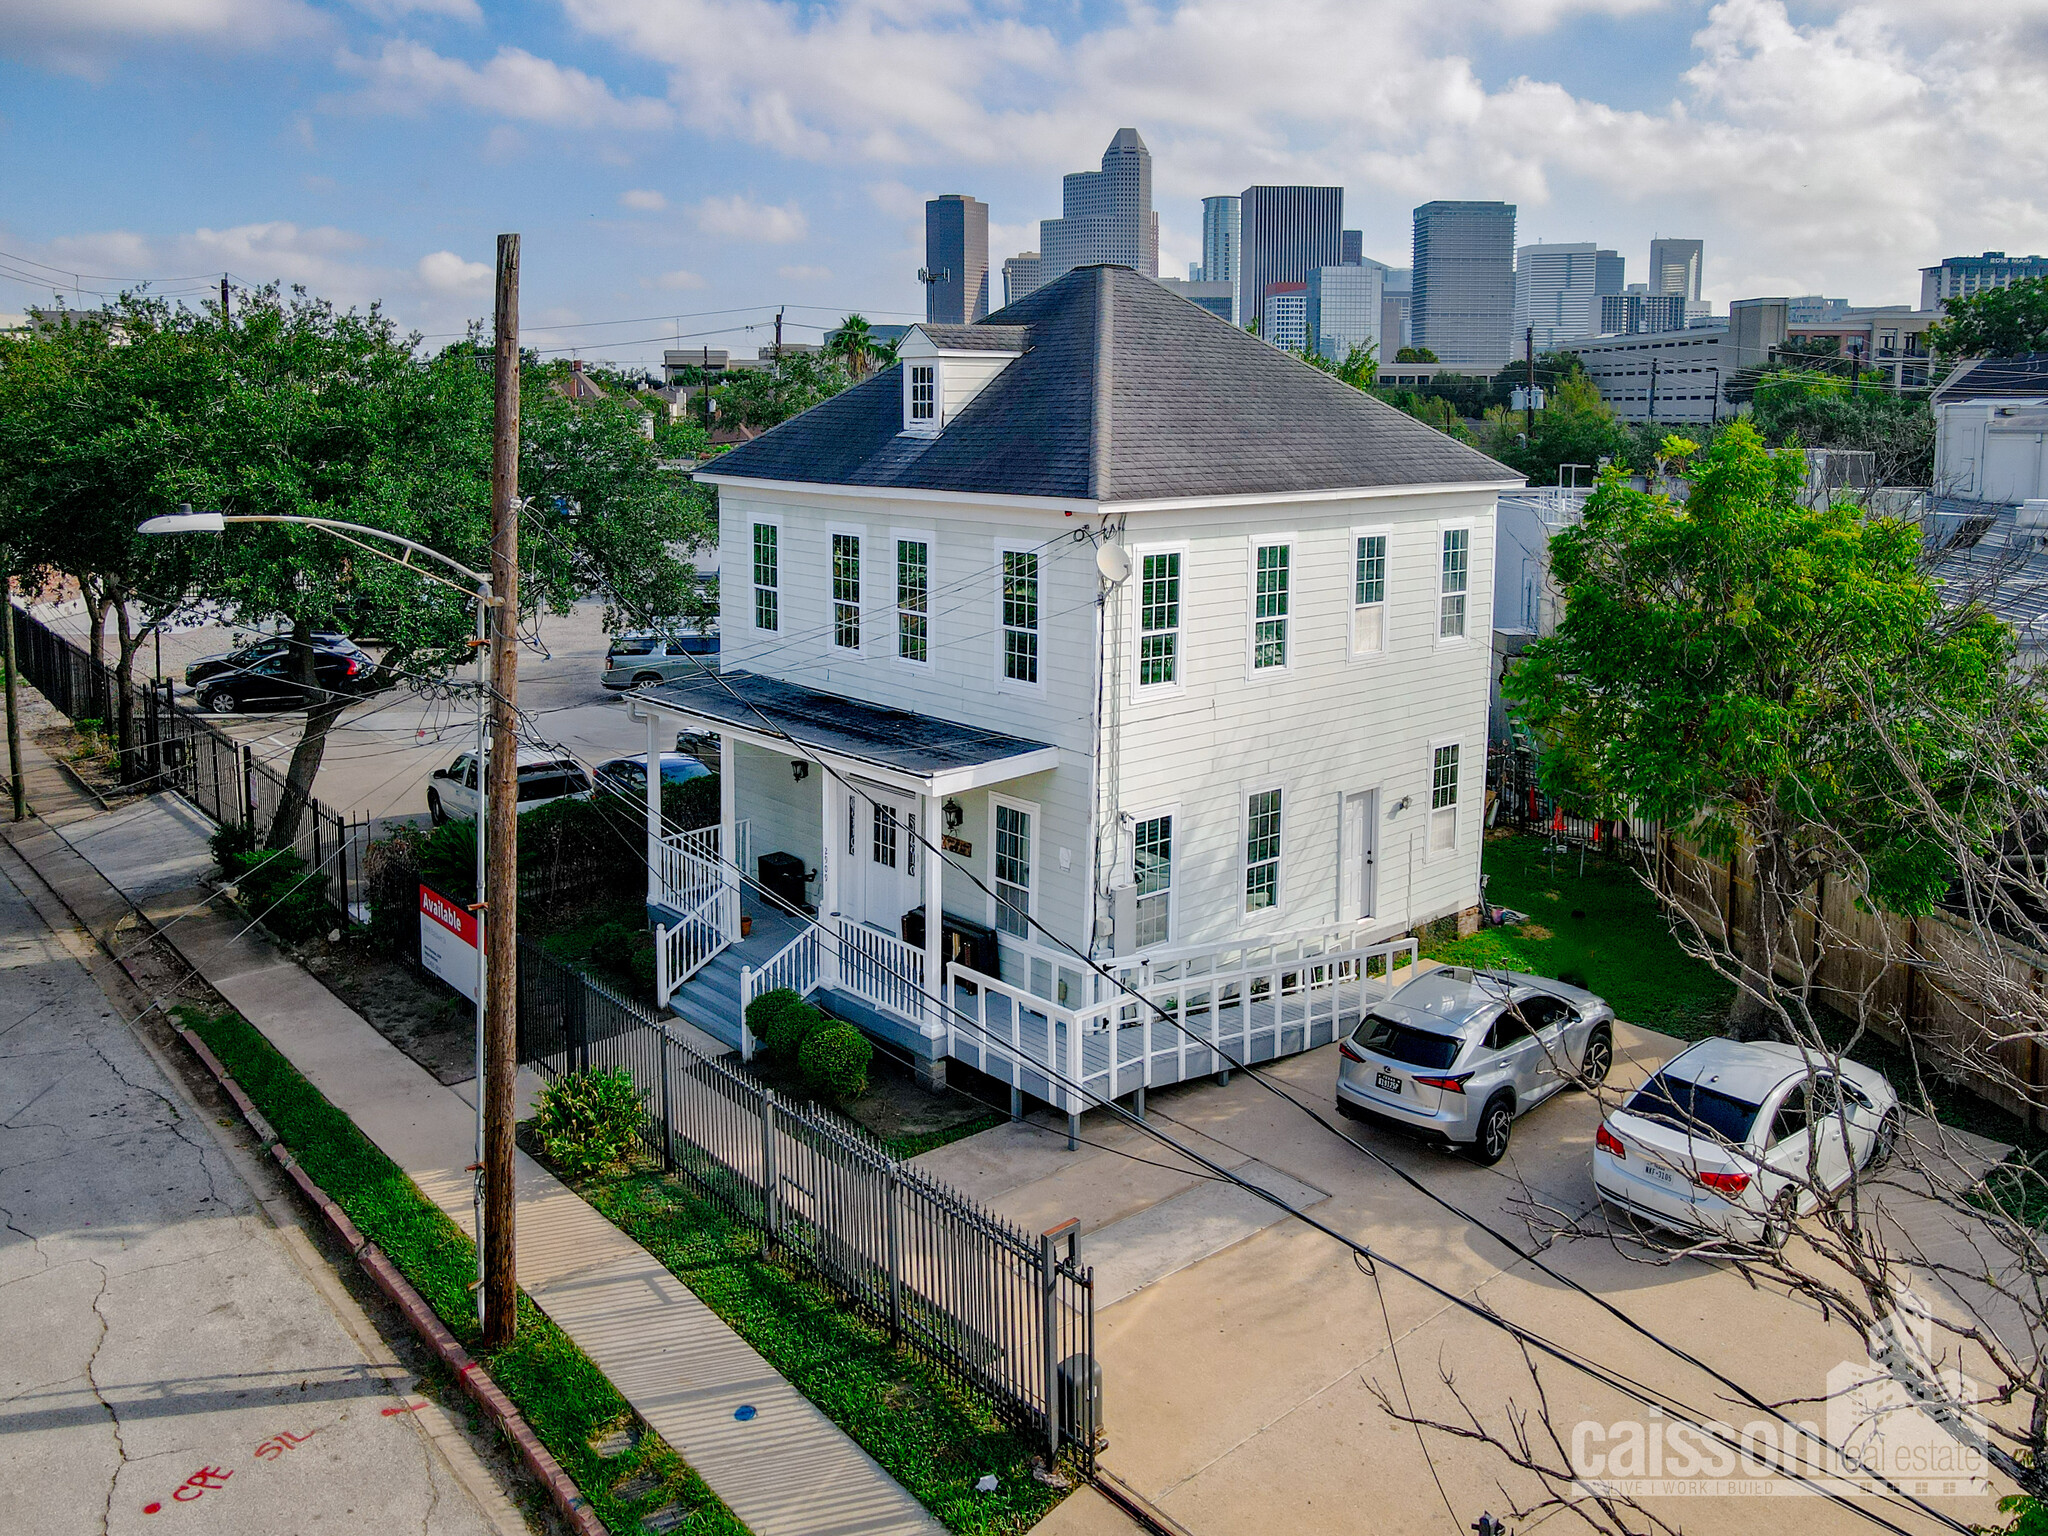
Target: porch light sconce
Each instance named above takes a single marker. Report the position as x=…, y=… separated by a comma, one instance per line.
x=799, y=770
x=953, y=814
x=1400, y=805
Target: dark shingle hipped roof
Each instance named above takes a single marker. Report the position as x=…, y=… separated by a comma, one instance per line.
x=1125, y=392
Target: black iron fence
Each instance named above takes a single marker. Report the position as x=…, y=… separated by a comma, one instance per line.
x=1005, y=1313
x=176, y=749
x=1518, y=802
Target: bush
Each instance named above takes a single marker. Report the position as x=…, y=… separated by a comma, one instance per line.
x=782, y=1021
x=624, y=951
x=590, y=1122
x=277, y=889
x=834, y=1061
x=229, y=841
x=391, y=867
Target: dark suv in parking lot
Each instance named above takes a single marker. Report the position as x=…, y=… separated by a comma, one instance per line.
x=259, y=675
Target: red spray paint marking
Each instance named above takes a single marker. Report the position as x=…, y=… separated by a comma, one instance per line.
x=150, y=1509
x=408, y=1408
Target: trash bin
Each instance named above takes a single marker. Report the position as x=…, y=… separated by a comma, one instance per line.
x=782, y=877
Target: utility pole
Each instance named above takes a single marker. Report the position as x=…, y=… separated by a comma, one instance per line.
x=1529, y=394
x=501, y=826
x=13, y=718
x=223, y=298
x=1653, y=389
x=778, y=333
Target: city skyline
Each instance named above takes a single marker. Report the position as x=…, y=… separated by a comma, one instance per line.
x=373, y=151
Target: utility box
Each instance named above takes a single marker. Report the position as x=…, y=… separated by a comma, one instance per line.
x=782, y=877
x=1081, y=1399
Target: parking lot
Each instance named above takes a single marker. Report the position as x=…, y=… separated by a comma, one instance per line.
x=383, y=748
x=1241, y=1349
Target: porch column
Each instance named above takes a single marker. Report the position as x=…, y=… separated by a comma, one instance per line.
x=728, y=829
x=829, y=861
x=655, y=888
x=934, y=948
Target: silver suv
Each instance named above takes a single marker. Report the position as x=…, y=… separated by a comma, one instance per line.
x=1457, y=1054
x=633, y=660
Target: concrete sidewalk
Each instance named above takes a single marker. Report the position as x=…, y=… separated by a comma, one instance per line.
x=784, y=1468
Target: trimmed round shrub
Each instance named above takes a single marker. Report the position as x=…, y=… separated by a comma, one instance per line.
x=590, y=1122
x=834, y=1061
x=782, y=1021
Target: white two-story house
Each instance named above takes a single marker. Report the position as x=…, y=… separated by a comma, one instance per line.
x=1142, y=653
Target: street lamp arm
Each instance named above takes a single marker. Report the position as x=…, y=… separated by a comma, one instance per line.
x=197, y=522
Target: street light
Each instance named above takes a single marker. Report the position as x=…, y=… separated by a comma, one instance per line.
x=185, y=520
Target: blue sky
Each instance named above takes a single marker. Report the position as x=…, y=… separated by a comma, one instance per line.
x=681, y=166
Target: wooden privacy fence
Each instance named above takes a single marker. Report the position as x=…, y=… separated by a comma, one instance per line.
x=1928, y=977
x=1008, y=1314
x=176, y=749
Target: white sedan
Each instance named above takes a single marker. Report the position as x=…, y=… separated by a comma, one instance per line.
x=545, y=773
x=1738, y=1139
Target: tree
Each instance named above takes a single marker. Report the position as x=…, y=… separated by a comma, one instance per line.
x=1575, y=427
x=1809, y=410
x=1999, y=322
x=1360, y=367
x=1710, y=673
x=856, y=348
x=765, y=397
x=1415, y=355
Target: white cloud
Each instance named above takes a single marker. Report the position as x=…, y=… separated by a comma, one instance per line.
x=679, y=279
x=392, y=10
x=643, y=200
x=84, y=36
x=408, y=76
x=446, y=272
x=741, y=218
x=803, y=274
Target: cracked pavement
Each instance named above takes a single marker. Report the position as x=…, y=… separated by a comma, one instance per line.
x=166, y=1361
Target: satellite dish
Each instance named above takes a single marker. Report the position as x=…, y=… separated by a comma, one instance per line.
x=1114, y=564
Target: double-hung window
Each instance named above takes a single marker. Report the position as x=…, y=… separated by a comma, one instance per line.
x=1013, y=870
x=1020, y=616
x=767, y=576
x=1152, y=864
x=1269, y=607
x=1456, y=574
x=1443, y=800
x=924, y=394
x=1262, y=851
x=913, y=597
x=846, y=591
x=1159, y=621
x=1369, y=595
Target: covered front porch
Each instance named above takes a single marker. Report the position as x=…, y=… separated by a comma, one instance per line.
x=822, y=869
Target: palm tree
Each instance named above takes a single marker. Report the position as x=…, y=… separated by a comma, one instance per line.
x=854, y=345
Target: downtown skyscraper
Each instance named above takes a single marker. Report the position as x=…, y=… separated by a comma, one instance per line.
x=955, y=260
x=1284, y=234
x=1105, y=215
x=1464, y=303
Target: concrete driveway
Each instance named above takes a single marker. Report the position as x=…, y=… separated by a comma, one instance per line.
x=1241, y=1349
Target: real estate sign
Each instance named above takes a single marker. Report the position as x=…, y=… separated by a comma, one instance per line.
x=451, y=938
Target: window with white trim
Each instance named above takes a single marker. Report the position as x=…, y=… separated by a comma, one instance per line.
x=1020, y=616
x=1152, y=864
x=1443, y=799
x=846, y=591
x=767, y=576
x=1262, y=851
x=1013, y=870
x=1159, y=621
x=1269, y=607
x=1452, y=582
x=1369, y=595
x=885, y=834
x=924, y=392
x=913, y=592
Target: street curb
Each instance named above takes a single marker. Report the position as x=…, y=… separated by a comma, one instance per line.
x=385, y=1275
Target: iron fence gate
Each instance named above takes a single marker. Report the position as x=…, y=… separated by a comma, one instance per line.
x=175, y=749
x=1520, y=803
x=1007, y=1314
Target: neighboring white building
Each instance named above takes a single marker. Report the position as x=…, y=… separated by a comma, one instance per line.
x=1345, y=309
x=1176, y=647
x=1990, y=419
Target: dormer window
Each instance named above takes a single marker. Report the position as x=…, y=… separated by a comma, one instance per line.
x=944, y=367
x=924, y=392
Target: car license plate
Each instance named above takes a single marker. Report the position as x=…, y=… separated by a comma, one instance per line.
x=1389, y=1082
x=1661, y=1175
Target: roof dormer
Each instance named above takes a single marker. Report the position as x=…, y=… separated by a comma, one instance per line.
x=946, y=366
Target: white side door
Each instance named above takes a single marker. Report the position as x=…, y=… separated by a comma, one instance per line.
x=1357, y=829
x=888, y=856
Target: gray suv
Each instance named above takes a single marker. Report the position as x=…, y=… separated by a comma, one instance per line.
x=1457, y=1054
x=633, y=660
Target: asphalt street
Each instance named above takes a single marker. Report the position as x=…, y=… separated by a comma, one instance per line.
x=171, y=1360
x=382, y=749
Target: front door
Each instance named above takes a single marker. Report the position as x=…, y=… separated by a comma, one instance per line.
x=888, y=856
x=1357, y=830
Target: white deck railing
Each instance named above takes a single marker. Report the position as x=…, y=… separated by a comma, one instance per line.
x=798, y=965
x=688, y=864
x=881, y=969
x=1246, y=1003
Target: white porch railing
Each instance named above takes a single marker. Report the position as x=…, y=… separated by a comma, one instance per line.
x=687, y=865
x=798, y=965
x=711, y=920
x=880, y=968
x=1234, y=1005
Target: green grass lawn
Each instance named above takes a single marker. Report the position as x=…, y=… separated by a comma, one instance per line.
x=1601, y=930
x=564, y=1397
x=927, y=1433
